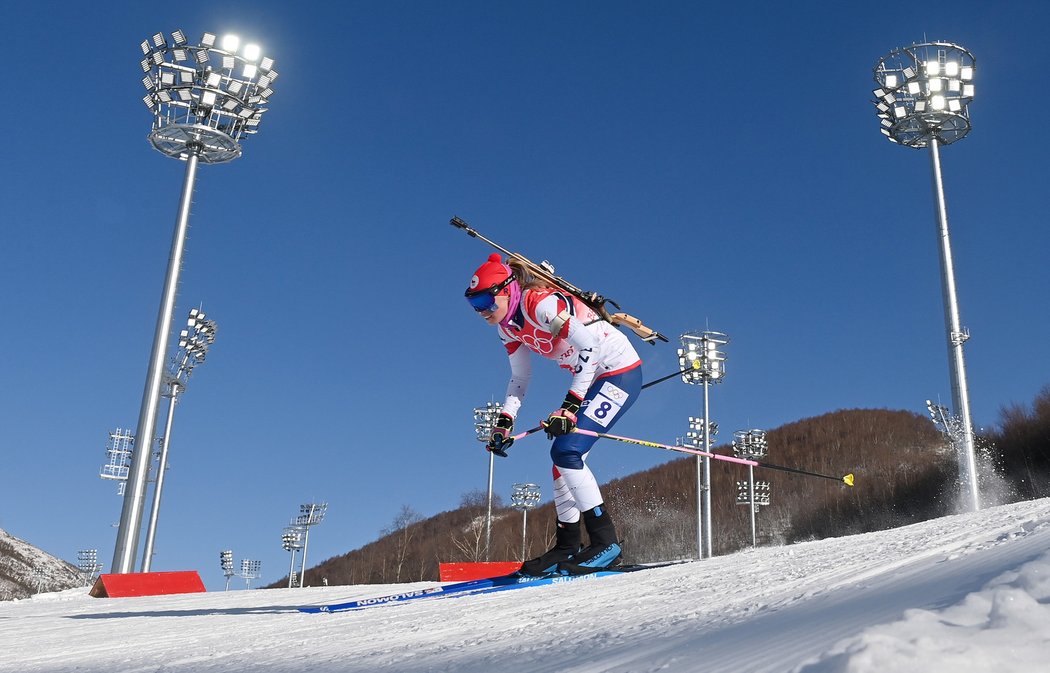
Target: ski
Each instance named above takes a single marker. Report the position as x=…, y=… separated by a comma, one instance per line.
x=472, y=587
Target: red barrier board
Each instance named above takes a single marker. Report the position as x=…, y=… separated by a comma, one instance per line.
x=461, y=572
x=147, y=584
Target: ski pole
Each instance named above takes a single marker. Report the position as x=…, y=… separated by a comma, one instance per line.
x=528, y=432
x=695, y=365
x=847, y=479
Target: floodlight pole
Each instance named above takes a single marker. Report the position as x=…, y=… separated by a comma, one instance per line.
x=292, y=541
x=194, y=342
x=702, y=362
x=922, y=100
x=158, y=487
x=753, y=507
x=705, y=462
x=135, y=493
x=524, y=497
x=488, y=508
x=302, y=570
x=484, y=421
x=310, y=514
x=750, y=444
x=226, y=563
x=88, y=565
x=957, y=336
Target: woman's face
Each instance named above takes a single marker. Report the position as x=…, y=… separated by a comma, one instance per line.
x=499, y=310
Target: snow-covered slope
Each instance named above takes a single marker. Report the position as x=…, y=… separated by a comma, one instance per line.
x=962, y=593
x=25, y=570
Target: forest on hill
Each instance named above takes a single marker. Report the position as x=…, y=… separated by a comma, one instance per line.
x=905, y=472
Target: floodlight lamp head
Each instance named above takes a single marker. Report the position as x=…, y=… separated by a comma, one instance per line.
x=922, y=93
x=524, y=496
x=311, y=514
x=485, y=419
x=226, y=561
x=700, y=356
x=205, y=110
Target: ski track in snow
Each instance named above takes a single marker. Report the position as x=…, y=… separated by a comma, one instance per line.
x=963, y=593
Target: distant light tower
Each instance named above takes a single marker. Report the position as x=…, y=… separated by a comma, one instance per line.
x=194, y=342
x=702, y=348
x=922, y=98
x=201, y=112
x=88, y=565
x=484, y=422
x=39, y=578
x=226, y=562
x=292, y=541
x=524, y=497
x=753, y=494
x=250, y=570
x=310, y=515
x=701, y=435
x=751, y=444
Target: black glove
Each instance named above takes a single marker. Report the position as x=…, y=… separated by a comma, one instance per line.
x=563, y=421
x=500, y=439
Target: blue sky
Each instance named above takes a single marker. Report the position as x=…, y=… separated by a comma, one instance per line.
x=706, y=166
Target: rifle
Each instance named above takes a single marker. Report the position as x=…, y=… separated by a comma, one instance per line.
x=544, y=271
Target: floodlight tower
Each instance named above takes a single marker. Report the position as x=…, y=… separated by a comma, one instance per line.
x=39, y=578
x=226, y=563
x=292, y=541
x=524, y=497
x=205, y=99
x=250, y=570
x=922, y=101
x=310, y=515
x=484, y=422
x=703, y=363
x=751, y=444
x=88, y=565
x=194, y=342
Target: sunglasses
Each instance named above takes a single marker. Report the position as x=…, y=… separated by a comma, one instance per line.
x=484, y=301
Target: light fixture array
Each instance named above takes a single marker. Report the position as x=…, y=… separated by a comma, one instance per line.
x=703, y=349
x=923, y=92
x=215, y=89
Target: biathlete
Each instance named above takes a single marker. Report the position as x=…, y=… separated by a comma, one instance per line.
x=606, y=380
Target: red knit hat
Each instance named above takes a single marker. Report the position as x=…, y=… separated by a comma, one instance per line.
x=491, y=273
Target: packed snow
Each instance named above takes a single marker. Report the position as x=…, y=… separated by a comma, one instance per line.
x=966, y=593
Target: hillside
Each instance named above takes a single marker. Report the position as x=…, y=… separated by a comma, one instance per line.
x=903, y=475
x=25, y=570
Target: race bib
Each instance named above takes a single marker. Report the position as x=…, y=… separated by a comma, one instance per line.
x=603, y=408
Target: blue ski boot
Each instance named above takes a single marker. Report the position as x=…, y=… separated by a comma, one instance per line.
x=602, y=553
x=566, y=546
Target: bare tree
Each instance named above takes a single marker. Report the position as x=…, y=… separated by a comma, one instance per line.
x=402, y=532
x=470, y=541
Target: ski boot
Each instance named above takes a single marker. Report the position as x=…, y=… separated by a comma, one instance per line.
x=602, y=553
x=567, y=544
